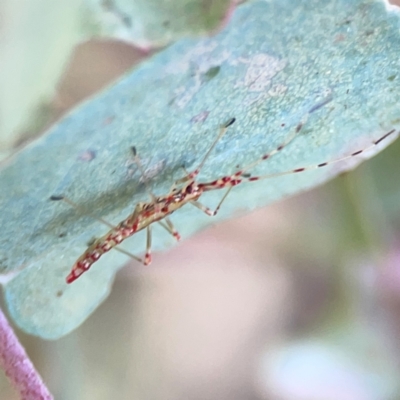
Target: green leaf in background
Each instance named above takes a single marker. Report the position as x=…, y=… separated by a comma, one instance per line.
x=154, y=23
x=37, y=38
x=275, y=64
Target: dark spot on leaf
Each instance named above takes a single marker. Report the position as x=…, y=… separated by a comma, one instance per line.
x=55, y=197
x=62, y=234
x=229, y=122
x=59, y=293
x=391, y=78
x=127, y=20
x=171, y=101
x=212, y=72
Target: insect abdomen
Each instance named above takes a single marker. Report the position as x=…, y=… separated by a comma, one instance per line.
x=99, y=247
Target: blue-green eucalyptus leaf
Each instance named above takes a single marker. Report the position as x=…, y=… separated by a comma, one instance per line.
x=332, y=65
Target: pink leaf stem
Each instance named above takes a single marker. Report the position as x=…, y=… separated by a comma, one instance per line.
x=17, y=366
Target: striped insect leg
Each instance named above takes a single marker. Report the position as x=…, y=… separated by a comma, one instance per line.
x=320, y=165
x=147, y=257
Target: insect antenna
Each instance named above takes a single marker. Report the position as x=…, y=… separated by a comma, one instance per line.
x=241, y=175
x=230, y=181
x=320, y=165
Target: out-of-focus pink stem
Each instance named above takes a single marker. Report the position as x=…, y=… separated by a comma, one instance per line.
x=17, y=366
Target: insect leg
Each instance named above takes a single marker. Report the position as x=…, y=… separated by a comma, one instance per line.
x=147, y=257
x=207, y=210
x=170, y=228
x=193, y=174
x=127, y=253
x=141, y=169
x=76, y=206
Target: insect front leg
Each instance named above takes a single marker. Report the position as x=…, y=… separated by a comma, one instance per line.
x=79, y=208
x=192, y=175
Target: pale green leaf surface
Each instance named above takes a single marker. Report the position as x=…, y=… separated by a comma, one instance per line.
x=274, y=64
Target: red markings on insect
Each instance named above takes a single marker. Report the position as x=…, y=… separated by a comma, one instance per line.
x=186, y=190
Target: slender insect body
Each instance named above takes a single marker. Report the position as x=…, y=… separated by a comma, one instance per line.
x=185, y=191
x=144, y=215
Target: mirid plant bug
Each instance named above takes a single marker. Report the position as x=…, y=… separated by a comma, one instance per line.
x=184, y=191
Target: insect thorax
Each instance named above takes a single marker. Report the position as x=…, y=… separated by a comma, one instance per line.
x=147, y=213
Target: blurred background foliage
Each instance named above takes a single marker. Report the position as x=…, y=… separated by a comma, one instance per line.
x=300, y=300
